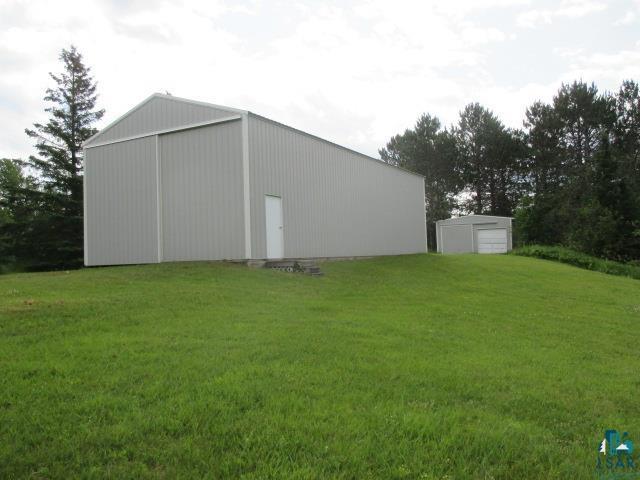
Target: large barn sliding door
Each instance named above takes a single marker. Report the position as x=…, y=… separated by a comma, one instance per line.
x=121, y=203
x=202, y=193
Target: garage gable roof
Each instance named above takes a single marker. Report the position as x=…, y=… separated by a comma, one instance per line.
x=472, y=220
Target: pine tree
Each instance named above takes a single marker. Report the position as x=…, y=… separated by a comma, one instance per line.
x=490, y=157
x=15, y=211
x=58, y=231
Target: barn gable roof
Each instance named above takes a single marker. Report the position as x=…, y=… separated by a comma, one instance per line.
x=160, y=112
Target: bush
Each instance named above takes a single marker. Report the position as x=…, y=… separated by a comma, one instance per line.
x=582, y=260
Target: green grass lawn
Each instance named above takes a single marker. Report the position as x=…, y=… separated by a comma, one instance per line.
x=422, y=366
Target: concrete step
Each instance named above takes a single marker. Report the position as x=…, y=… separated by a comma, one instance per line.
x=308, y=267
x=283, y=265
x=306, y=263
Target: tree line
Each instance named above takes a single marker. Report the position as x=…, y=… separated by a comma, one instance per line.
x=41, y=199
x=570, y=176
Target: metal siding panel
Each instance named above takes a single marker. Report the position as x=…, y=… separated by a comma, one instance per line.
x=202, y=196
x=457, y=238
x=335, y=202
x=159, y=114
x=121, y=203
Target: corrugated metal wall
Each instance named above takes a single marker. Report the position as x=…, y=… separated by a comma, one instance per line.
x=202, y=193
x=121, y=212
x=335, y=202
x=161, y=113
x=457, y=238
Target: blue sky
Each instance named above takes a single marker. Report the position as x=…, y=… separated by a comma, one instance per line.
x=354, y=72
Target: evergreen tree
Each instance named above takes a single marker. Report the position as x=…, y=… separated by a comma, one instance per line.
x=584, y=117
x=538, y=218
x=58, y=231
x=584, y=171
x=491, y=161
x=543, y=136
x=16, y=212
x=597, y=226
x=626, y=149
x=626, y=138
x=474, y=128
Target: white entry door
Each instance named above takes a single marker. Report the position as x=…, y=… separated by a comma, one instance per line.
x=275, y=234
x=492, y=240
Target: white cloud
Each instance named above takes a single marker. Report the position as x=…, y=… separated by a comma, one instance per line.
x=510, y=104
x=354, y=72
x=606, y=68
x=565, y=9
x=628, y=19
x=567, y=52
x=630, y=16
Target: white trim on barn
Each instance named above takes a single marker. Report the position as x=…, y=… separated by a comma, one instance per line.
x=159, y=197
x=246, y=186
x=167, y=130
x=84, y=206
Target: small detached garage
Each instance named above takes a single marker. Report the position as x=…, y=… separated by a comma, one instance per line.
x=474, y=234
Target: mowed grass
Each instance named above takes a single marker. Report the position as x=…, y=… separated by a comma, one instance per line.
x=421, y=366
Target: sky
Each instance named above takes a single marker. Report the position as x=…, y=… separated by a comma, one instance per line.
x=354, y=72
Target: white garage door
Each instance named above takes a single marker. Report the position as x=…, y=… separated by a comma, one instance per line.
x=492, y=241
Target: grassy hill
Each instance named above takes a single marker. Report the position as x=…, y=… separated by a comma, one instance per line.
x=410, y=367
